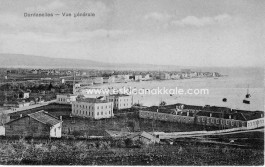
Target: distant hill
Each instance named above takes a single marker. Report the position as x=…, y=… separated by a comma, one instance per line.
x=30, y=61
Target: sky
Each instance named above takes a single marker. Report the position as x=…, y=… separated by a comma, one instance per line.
x=164, y=32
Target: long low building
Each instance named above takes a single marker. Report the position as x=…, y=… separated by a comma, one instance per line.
x=65, y=98
x=208, y=115
x=249, y=120
x=92, y=108
x=166, y=117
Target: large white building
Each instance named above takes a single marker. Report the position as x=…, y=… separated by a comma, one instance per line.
x=120, y=101
x=92, y=108
x=65, y=98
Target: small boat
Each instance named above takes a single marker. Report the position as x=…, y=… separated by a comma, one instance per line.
x=248, y=95
x=171, y=95
x=224, y=100
x=246, y=101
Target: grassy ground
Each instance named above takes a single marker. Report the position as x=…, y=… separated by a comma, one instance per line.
x=56, y=152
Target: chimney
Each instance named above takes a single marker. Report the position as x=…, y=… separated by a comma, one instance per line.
x=188, y=113
x=156, y=110
x=61, y=117
x=20, y=115
x=230, y=116
x=211, y=114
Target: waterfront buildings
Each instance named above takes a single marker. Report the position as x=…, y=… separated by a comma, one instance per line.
x=164, y=76
x=38, y=124
x=92, y=108
x=120, y=101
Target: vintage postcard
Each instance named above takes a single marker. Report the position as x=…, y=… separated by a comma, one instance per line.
x=132, y=82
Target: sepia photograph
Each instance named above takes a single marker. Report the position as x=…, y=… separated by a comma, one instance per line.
x=132, y=82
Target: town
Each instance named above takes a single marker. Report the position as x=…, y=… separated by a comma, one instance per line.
x=47, y=104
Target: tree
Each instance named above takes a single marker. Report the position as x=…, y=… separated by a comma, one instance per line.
x=163, y=103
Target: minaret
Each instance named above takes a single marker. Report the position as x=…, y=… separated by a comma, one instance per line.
x=74, y=91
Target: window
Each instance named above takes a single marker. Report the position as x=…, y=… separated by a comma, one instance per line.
x=97, y=113
x=212, y=120
x=217, y=121
x=101, y=113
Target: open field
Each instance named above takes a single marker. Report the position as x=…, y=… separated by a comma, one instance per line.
x=86, y=152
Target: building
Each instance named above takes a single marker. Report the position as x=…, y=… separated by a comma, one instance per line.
x=66, y=98
x=110, y=79
x=120, y=101
x=164, y=76
x=144, y=137
x=138, y=77
x=38, y=124
x=86, y=82
x=97, y=80
x=175, y=76
x=22, y=94
x=146, y=77
x=233, y=119
x=168, y=115
x=92, y=108
x=16, y=104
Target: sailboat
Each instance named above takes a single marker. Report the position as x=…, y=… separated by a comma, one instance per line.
x=246, y=101
x=248, y=95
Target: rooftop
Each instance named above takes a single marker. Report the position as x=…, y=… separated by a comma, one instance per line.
x=68, y=95
x=119, y=95
x=91, y=100
x=43, y=117
x=215, y=111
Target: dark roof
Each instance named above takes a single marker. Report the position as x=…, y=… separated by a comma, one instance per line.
x=43, y=117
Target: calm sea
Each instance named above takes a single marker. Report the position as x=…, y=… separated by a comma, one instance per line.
x=233, y=88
